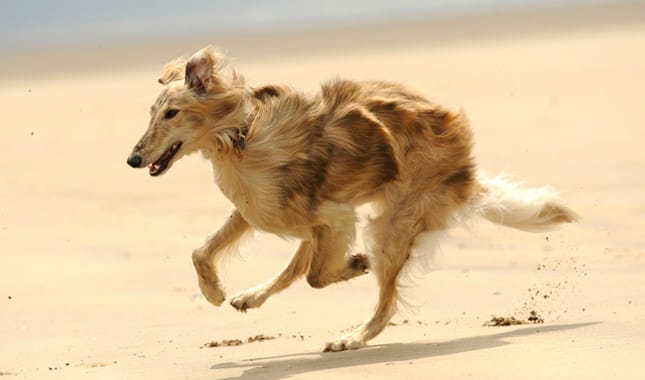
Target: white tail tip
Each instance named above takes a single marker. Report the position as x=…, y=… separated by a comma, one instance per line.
x=504, y=202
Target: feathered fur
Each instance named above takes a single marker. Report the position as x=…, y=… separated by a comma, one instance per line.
x=298, y=165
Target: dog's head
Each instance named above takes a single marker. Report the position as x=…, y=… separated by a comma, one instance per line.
x=196, y=107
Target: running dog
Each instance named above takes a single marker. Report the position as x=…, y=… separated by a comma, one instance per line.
x=297, y=165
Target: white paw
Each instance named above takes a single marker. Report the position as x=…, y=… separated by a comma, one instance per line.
x=350, y=341
x=248, y=299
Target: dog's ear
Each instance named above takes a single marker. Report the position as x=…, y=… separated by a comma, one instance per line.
x=172, y=71
x=199, y=69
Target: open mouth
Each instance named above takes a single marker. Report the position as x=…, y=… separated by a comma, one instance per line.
x=162, y=162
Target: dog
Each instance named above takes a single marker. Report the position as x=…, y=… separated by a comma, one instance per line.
x=297, y=165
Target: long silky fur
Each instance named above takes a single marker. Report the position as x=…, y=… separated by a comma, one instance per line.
x=505, y=202
x=298, y=165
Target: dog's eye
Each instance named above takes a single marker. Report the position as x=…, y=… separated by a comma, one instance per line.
x=170, y=114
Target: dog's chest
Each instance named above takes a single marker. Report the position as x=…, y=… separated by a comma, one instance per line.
x=256, y=195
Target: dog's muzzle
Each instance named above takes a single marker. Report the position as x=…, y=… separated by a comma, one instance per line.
x=135, y=161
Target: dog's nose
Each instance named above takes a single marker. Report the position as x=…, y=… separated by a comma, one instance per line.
x=134, y=161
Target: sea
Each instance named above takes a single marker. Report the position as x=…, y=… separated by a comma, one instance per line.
x=36, y=24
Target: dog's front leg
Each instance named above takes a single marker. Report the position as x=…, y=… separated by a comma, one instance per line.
x=205, y=258
x=257, y=295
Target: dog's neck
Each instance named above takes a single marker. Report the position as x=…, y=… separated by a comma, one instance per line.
x=232, y=141
x=239, y=143
x=228, y=136
x=239, y=137
x=240, y=132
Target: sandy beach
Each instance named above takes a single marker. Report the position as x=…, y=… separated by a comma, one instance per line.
x=96, y=278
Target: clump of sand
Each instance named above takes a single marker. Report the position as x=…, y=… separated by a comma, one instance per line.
x=495, y=321
x=237, y=342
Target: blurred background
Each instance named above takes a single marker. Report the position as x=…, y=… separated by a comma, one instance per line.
x=33, y=24
x=264, y=28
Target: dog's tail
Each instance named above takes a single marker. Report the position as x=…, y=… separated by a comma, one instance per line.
x=504, y=202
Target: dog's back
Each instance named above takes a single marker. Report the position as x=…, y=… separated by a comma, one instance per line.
x=350, y=140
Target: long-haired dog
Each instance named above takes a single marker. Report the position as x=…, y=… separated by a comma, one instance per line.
x=298, y=165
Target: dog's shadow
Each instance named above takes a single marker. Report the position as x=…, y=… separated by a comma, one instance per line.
x=285, y=366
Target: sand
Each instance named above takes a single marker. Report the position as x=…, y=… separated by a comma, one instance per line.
x=96, y=280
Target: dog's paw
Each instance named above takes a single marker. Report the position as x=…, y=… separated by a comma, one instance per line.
x=248, y=299
x=211, y=291
x=359, y=262
x=350, y=341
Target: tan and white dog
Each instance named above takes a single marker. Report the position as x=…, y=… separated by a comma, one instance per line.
x=298, y=165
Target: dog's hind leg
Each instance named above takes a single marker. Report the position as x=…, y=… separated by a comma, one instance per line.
x=331, y=241
x=257, y=295
x=205, y=257
x=393, y=234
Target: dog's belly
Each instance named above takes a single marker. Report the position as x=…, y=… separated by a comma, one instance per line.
x=276, y=221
